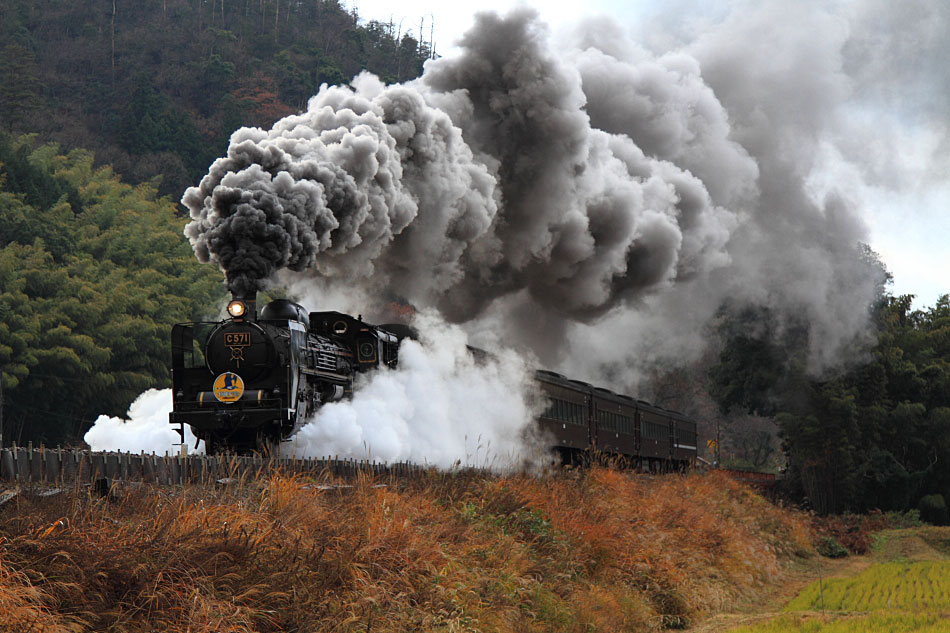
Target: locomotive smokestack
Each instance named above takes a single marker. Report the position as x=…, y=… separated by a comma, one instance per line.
x=250, y=300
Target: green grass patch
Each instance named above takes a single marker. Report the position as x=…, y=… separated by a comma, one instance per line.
x=888, y=586
x=878, y=623
x=937, y=538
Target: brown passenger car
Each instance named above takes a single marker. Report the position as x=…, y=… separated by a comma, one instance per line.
x=683, y=431
x=581, y=420
x=615, y=423
x=567, y=416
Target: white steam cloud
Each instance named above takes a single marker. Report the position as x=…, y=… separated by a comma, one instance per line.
x=146, y=429
x=442, y=406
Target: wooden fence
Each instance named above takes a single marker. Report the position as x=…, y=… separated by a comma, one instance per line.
x=61, y=466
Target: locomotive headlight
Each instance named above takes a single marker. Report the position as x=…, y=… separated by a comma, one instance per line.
x=237, y=309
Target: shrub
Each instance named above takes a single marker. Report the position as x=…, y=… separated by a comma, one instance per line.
x=908, y=519
x=933, y=509
x=830, y=548
x=851, y=531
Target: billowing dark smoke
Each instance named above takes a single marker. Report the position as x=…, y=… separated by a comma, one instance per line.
x=483, y=179
x=330, y=190
x=600, y=203
x=588, y=220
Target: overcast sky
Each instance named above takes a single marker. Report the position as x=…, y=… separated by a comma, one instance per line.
x=908, y=222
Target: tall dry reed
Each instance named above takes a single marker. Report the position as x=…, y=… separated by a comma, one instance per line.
x=588, y=551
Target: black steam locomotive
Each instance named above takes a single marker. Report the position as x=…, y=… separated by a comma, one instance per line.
x=250, y=381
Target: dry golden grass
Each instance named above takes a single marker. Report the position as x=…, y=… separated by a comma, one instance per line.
x=594, y=551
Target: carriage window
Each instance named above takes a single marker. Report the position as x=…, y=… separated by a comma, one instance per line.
x=616, y=422
x=626, y=425
x=653, y=431
x=564, y=411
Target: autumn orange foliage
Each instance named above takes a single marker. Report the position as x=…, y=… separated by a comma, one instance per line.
x=854, y=532
x=588, y=551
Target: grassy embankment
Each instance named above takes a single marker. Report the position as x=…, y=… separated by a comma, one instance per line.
x=902, y=586
x=591, y=552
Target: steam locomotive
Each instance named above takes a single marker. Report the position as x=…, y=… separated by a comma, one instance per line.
x=248, y=382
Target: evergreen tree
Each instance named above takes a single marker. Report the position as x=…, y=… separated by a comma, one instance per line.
x=155, y=89
x=87, y=299
x=19, y=86
x=874, y=436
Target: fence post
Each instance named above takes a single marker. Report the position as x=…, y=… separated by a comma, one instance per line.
x=22, y=464
x=7, y=465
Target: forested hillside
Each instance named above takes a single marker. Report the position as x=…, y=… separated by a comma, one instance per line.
x=93, y=272
x=155, y=88
x=108, y=111
x=874, y=434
